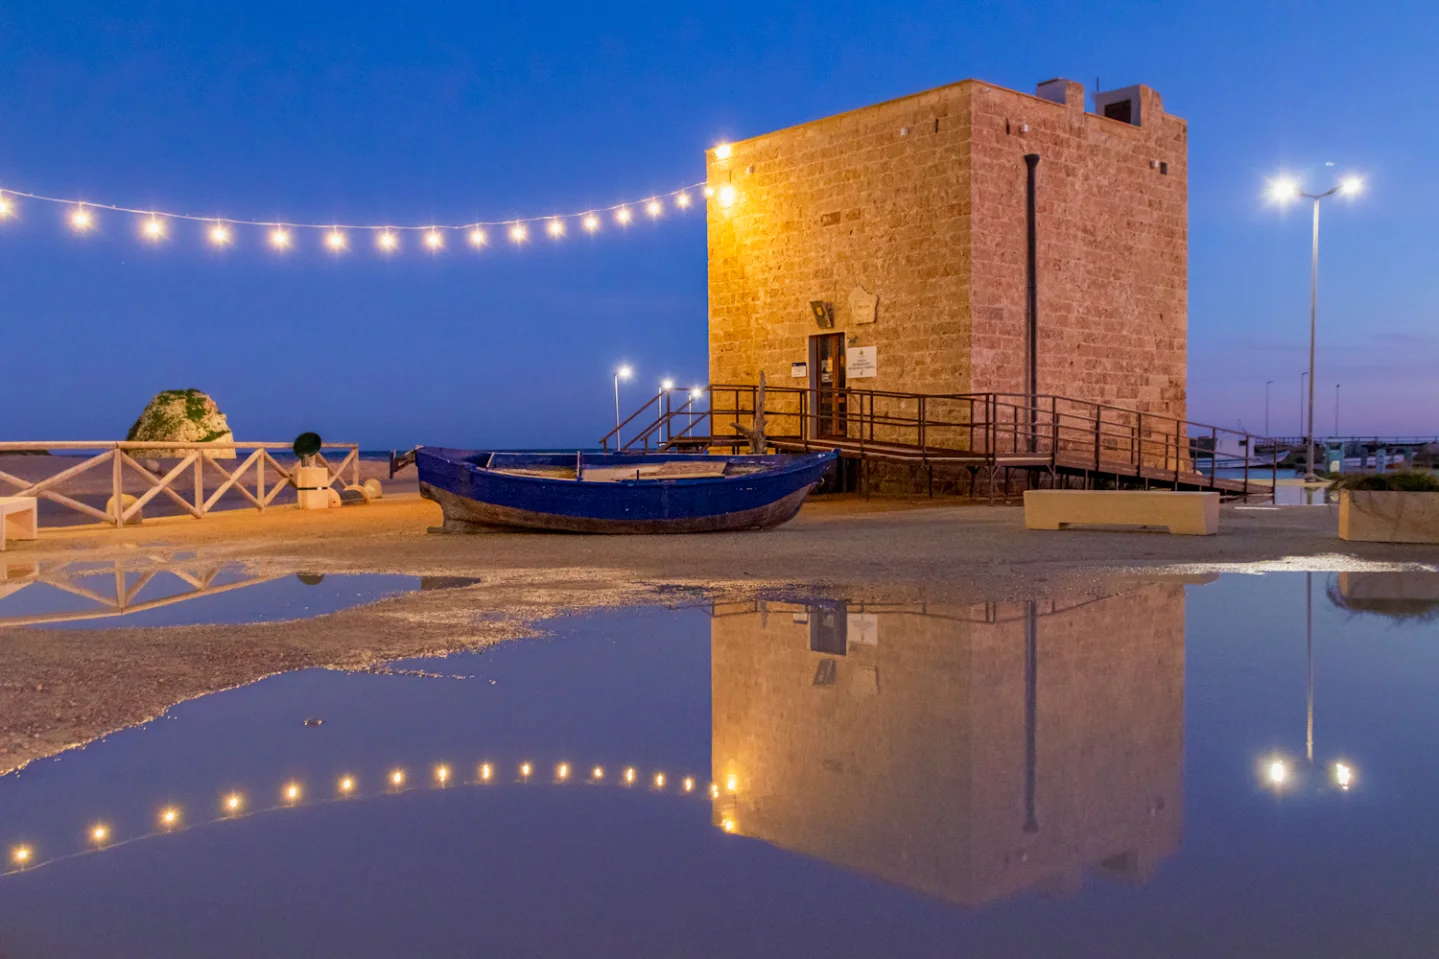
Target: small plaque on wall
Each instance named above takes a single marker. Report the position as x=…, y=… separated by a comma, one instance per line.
x=862, y=305
x=799, y=370
x=861, y=362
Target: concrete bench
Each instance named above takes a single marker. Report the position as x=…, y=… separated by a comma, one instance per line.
x=1195, y=514
x=19, y=518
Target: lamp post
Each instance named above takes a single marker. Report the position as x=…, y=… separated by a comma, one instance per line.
x=623, y=373
x=1302, y=434
x=1267, y=384
x=666, y=385
x=1336, y=410
x=1283, y=191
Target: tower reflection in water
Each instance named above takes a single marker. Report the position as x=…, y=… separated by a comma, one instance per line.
x=966, y=752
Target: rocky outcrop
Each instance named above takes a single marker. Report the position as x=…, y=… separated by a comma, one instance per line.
x=181, y=416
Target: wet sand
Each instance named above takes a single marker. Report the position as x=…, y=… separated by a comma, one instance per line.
x=63, y=688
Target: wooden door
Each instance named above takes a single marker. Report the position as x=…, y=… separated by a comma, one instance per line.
x=826, y=380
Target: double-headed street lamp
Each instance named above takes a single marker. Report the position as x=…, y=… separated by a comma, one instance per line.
x=1284, y=191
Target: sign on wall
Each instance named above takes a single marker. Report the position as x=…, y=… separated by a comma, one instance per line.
x=799, y=370
x=861, y=362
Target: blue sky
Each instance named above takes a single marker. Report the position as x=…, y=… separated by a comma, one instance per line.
x=383, y=112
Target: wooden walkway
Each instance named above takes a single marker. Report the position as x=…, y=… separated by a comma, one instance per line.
x=1056, y=440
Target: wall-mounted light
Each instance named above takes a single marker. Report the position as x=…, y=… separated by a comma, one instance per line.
x=823, y=314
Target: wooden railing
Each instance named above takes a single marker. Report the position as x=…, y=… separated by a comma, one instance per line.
x=123, y=458
x=995, y=429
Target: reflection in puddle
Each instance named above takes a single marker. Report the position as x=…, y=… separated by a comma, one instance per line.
x=177, y=590
x=1234, y=762
x=1401, y=597
x=964, y=752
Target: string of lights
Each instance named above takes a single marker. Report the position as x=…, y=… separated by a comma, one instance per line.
x=235, y=804
x=84, y=217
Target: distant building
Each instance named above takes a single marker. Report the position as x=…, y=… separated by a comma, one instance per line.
x=905, y=226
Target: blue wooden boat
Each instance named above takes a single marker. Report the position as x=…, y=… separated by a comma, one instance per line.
x=616, y=492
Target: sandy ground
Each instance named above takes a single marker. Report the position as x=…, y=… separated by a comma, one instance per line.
x=60, y=688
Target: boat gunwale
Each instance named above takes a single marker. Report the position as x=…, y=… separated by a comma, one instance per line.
x=800, y=461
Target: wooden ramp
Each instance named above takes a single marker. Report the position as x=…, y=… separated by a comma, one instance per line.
x=1056, y=441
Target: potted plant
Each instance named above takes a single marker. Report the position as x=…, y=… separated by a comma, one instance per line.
x=1398, y=507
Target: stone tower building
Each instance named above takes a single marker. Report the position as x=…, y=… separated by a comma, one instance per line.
x=904, y=228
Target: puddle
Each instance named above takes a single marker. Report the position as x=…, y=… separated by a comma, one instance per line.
x=180, y=590
x=1234, y=768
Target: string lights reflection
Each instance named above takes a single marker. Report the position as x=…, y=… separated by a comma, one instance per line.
x=292, y=795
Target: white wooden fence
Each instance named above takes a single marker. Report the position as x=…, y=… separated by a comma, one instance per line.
x=248, y=479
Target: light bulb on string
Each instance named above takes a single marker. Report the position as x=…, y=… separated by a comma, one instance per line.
x=478, y=237
x=709, y=191
x=683, y=201
x=233, y=803
x=99, y=833
x=169, y=817
x=347, y=785
x=592, y=222
x=292, y=792
x=220, y=234
x=6, y=207
x=153, y=229
x=435, y=240
x=387, y=241
x=518, y=233
x=336, y=241
x=22, y=855
x=623, y=215
x=555, y=227
x=81, y=219
x=654, y=208
x=726, y=196
x=280, y=238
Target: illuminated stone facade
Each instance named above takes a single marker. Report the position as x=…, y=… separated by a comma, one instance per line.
x=921, y=203
x=942, y=750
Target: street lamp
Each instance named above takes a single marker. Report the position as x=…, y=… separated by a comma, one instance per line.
x=1267, y=384
x=666, y=385
x=623, y=373
x=1284, y=191
x=1336, y=409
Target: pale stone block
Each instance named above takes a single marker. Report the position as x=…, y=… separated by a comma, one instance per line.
x=1188, y=513
x=1388, y=516
x=19, y=518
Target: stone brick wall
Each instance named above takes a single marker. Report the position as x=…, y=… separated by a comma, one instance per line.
x=921, y=201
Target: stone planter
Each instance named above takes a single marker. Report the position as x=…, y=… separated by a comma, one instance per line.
x=1388, y=516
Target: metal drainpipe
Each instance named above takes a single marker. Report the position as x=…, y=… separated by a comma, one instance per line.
x=1031, y=302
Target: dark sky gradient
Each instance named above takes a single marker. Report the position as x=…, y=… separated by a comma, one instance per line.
x=385, y=112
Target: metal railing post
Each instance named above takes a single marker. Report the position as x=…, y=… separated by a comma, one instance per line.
x=1139, y=444
x=1098, y=413
x=1178, y=449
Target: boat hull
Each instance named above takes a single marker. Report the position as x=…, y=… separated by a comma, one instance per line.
x=476, y=499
